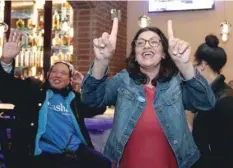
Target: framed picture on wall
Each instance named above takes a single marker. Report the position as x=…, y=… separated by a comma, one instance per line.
x=179, y=5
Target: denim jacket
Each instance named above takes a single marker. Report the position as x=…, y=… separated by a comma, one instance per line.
x=171, y=100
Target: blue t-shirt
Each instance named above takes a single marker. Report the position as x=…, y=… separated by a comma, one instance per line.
x=59, y=128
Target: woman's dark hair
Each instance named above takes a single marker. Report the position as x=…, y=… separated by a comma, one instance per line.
x=210, y=52
x=167, y=66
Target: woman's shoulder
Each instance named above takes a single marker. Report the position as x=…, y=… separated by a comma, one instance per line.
x=123, y=74
x=123, y=77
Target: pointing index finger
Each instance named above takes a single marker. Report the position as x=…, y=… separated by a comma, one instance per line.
x=114, y=28
x=170, y=29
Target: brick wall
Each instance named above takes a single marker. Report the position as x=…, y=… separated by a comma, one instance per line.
x=91, y=19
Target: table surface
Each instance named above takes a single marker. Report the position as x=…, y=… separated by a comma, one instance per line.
x=6, y=106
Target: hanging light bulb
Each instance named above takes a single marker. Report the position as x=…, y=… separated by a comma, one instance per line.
x=225, y=28
x=144, y=21
x=224, y=37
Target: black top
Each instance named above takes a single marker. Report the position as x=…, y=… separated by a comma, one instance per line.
x=213, y=130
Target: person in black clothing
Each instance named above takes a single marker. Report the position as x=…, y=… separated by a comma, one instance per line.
x=212, y=130
x=50, y=129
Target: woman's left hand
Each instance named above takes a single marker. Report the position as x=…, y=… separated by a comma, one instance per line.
x=76, y=80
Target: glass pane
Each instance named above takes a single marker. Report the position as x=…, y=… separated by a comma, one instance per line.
x=3, y=26
x=62, y=32
x=28, y=17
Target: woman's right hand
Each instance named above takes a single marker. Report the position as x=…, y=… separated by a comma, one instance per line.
x=104, y=47
x=12, y=47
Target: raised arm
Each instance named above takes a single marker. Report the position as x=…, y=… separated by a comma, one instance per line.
x=11, y=47
x=86, y=111
x=180, y=52
x=97, y=90
x=11, y=88
x=197, y=94
x=104, y=48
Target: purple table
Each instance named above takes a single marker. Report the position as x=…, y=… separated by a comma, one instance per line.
x=99, y=129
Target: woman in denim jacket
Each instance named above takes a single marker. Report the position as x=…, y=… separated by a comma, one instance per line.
x=149, y=128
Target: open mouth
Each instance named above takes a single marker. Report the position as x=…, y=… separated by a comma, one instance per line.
x=56, y=81
x=148, y=54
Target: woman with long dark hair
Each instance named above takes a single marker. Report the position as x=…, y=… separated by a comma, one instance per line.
x=150, y=96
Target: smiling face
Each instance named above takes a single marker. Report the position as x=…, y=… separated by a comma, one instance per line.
x=59, y=76
x=149, y=50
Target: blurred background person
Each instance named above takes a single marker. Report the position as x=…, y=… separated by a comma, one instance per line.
x=212, y=130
